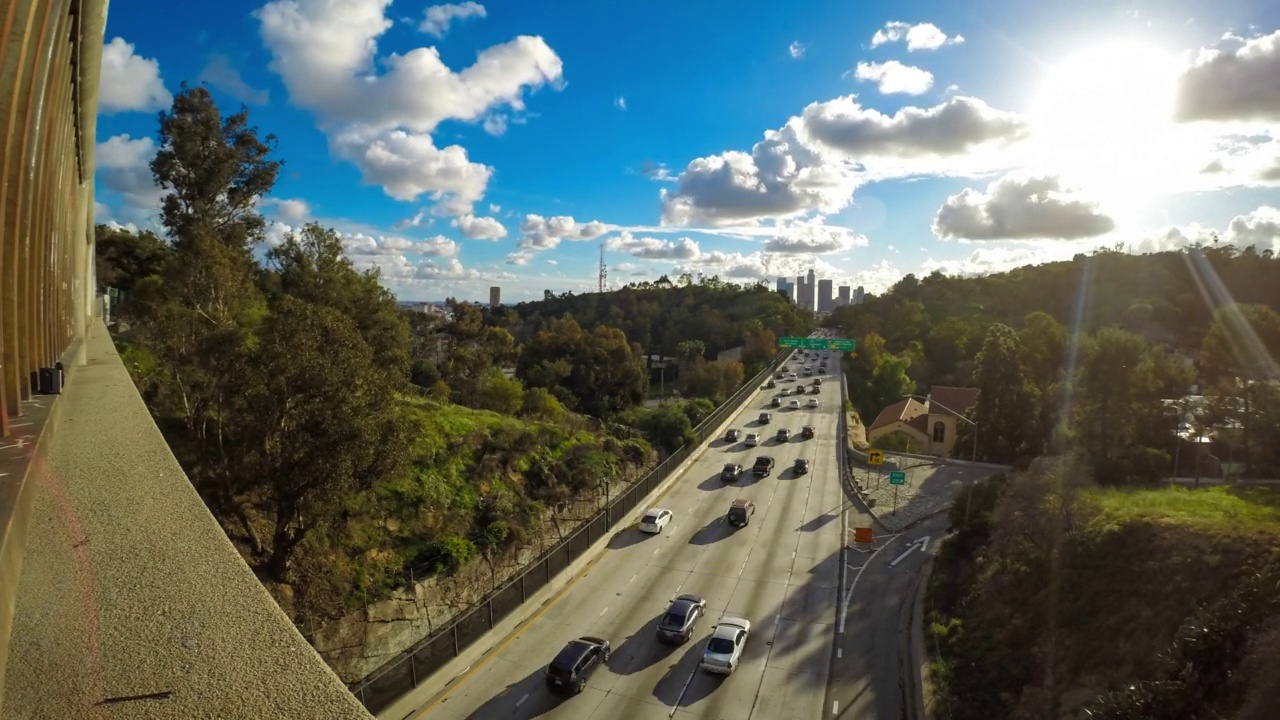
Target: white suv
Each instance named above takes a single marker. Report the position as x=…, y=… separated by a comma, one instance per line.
x=753, y=439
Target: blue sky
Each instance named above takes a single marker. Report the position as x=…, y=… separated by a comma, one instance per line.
x=502, y=143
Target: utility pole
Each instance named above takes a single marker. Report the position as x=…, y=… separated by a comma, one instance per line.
x=604, y=271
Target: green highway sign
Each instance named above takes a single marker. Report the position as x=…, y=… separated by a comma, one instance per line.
x=808, y=343
x=898, y=477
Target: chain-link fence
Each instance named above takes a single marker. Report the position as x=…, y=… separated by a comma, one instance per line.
x=407, y=670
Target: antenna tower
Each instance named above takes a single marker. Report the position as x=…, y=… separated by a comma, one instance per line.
x=604, y=270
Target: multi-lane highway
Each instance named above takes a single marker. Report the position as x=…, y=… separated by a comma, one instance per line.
x=781, y=572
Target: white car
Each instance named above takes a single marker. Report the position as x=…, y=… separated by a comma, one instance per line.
x=813, y=402
x=724, y=649
x=654, y=520
x=753, y=439
x=795, y=404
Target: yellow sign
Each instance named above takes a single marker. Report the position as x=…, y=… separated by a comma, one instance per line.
x=862, y=535
x=875, y=457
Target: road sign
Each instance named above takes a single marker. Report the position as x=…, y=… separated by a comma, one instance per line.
x=843, y=345
x=897, y=477
x=862, y=535
x=806, y=343
x=875, y=457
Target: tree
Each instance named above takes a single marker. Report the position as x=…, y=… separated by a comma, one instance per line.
x=499, y=393
x=316, y=424
x=1243, y=342
x=1044, y=347
x=1006, y=409
x=759, y=348
x=597, y=372
x=123, y=258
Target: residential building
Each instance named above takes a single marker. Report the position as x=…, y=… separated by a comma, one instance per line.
x=843, y=298
x=495, y=296
x=825, y=301
x=932, y=425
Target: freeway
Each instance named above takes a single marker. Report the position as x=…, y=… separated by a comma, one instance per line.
x=781, y=572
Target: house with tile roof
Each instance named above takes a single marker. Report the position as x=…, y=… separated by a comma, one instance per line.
x=931, y=425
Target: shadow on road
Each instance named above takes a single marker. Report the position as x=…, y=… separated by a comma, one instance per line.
x=681, y=686
x=818, y=522
x=627, y=537
x=504, y=704
x=715, y=483
x=640, y=650
x=714, y=531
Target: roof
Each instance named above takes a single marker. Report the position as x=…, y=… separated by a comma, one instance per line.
x=945, y=400
x=572, y=652
x=904, y=410
x=741, y=503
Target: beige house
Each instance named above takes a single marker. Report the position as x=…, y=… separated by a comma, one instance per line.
x=931, y=424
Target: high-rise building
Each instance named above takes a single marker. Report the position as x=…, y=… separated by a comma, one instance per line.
x=825, y=301
x=858, y=295
x=805, y=293
x=495, y=296
x=843, y=298
x=788, y=288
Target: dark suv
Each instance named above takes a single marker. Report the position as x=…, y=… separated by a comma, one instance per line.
x=576, y=662
x=677, y=623
x=730, y=472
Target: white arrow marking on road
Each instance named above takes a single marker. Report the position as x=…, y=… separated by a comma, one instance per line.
x=921, y=543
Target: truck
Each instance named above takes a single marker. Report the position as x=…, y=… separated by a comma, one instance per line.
x=763, y=466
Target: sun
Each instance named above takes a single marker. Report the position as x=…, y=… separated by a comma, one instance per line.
x=1103, y=119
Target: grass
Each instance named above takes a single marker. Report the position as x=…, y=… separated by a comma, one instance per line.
x=1223, y=509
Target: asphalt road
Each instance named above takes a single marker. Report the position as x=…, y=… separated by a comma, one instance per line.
x=781, y=572
x=871, y=644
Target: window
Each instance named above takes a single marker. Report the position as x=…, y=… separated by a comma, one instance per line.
x=939, y=432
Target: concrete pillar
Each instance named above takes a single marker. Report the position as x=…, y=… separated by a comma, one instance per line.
x=23, y=17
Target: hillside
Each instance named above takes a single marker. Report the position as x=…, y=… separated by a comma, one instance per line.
x=1036, y=613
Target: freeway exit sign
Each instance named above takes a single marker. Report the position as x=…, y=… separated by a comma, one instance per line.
x=898, y=477
x=808, y=343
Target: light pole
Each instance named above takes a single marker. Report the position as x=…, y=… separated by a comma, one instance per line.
x=604, y=483
x=968, y=496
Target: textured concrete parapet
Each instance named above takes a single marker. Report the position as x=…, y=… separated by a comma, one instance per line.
x=131, y=601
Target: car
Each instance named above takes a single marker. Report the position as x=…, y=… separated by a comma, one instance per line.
x=822, y=368
x=801, y=467
x=807, y=432
x=724, y=648
x=576, y=662
x=816, y=390
x=730, y=472
x=732, y=435
x=753, y=439
x=813, y=402
x=763, y=466
x=677, y=623
x=793, y=376
x=799, y=389
x=795, y=404
x=740, y=512
x=775, y=401
x=654, y=520
x=771, y=385
x=784, y=435
x=817, y=382
x=764, y=418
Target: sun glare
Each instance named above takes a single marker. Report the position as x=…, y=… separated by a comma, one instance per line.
x=1103, y=119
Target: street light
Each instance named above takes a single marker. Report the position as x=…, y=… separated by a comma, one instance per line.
x=968, y=496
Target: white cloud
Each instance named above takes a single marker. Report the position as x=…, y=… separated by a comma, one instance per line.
x=326, y=55
x=1225, y=84
x=419, y=219
x=656, y=171
x=813, y=238
x=219, y=73
x=923, y=36
x=437, y=18
x=293, y=211
x=129, y=82
x=495, y=124
x=988, y=260
x=362, y=244
x=817, y=160
x=654, y=248
x=620, y=103
x=1021, y=207
x=480, y=228
x=894, y=77
x=796, y=49
x=541, y=233
x=494, y=209
x=520, y=257
x=1259, y=228
x=123, y=167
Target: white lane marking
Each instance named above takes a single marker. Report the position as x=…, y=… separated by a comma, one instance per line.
x=839, y=653
x=633, y=579
x=521, y=700
x=687, y=683
x=844, y=604
x=605, y=610
x=835, y=707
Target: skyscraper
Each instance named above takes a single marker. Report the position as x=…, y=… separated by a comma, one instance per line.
x=825, y=301
x=495, y=296
x=805, y=292
x=788, y=288
x=843, y=298
x=858, y=295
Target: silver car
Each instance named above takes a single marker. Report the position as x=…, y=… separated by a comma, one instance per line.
x=724, y=649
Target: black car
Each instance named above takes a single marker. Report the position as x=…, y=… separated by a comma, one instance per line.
x=764, y=418
x=771, y=384
x=677, y=623
x=730, y=472
x=806, y=432
x=801, y=467
x=775, y=402
x=576, y=662
x=732, y=435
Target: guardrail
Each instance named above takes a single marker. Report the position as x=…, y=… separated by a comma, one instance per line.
x=409, y=669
